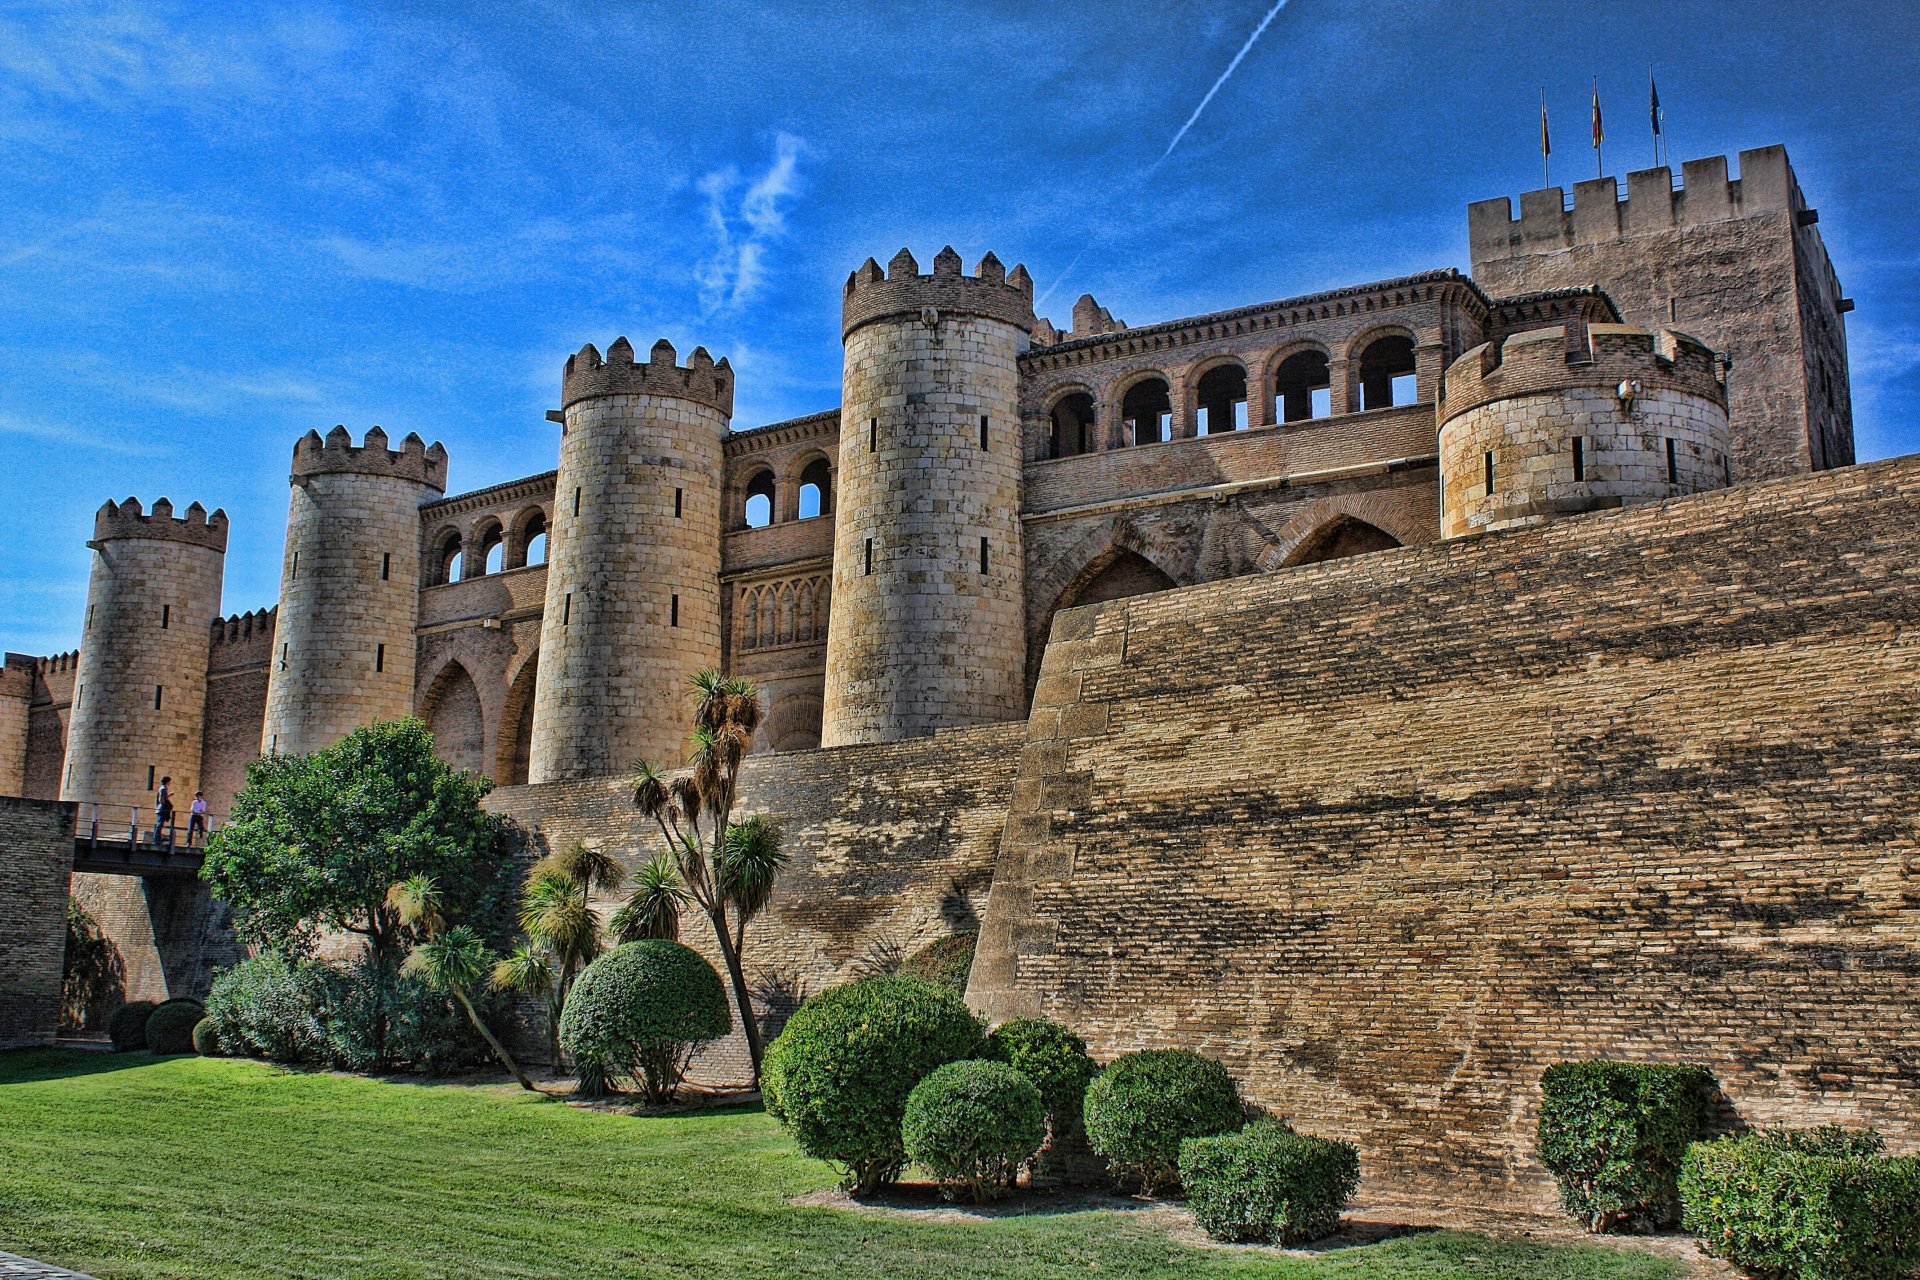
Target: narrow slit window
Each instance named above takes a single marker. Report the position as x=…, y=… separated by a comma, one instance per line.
x=149, y=777
x=1673, y=462
x=294, y=573
x=983, y=557
x=156, y=697
x=673, y=612
x=1489, y=473
x=386, y=565
x=1579, y=458
x=379, y=657
x=869, y=555
x=873, y=435
x=679, y=499
x=166, y=613
x=283, y=657
x=90, y=609
x=983, y=431
x=566, y=610
x=576, y=502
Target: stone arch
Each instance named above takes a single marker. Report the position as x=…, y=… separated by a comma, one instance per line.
x=488, y=536
x=451, y=708
x=1376, y=357
x=793, y=723
x=1291, y=375
x=524, y=528
x=1146, y=411
x=444, y=562
x=1081, y=564
x=760, y=484
x=1307, y=532
x=514, y=751
x=1213, y=386
x=1073, y=421
x=811, y=469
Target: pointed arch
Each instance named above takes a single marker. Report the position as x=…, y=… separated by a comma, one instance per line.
x=1067, y=580
x=453, y=714
x=1318, y=526
x=514, y=750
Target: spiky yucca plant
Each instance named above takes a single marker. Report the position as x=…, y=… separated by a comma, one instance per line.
x=454, y=960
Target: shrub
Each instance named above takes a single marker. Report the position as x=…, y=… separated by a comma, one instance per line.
x=170, y=1027
x=972, y=1124
x=206, y=1038
x=840, y=1073
x=266, y=1007
x=945, y=962
x=1268, y=1183
x=641, y=1010
x=1053, y=1058
x=1141, y=1108
x=1613, y=1133
x=127, y=1028
x=365, y=1016
x=1813, y=1205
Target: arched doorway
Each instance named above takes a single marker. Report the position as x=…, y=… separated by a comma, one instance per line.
x=452, y=712
x=511, y=760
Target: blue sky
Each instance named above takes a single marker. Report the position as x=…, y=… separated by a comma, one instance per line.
x=222, y=226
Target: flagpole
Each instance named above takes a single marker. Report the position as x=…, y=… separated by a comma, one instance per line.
x=1653, y=112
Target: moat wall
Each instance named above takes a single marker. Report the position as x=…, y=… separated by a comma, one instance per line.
x=36, y=856
x=1392, y=834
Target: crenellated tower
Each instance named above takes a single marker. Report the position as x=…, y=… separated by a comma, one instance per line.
x=633, y=576
x=1574, y=418
x=140, y=690
x=343, y=652
x=928, y=627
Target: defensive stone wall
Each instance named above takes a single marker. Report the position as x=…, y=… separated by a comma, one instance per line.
x=892, y=845
x=1391, y=835
x=36, y=856
x=16, y=702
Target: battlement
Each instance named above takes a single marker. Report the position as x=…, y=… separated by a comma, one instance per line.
x=128, y=520
x=54, y=664
x=588, y=375
x=1653, y=204
x=244, y=626
x=991, y=291
x=414, y=460
x=1577, y=355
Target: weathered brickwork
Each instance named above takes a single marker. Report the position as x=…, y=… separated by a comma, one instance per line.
x=1740, y=265
x=36, y=854
x=633, y=594
x=892, y=846
x=16, y=712
x=1392, y=834
x=349, y=587
x=1563, y=420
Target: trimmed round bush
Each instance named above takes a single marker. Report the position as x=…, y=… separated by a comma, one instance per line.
x=170, y=1026
x=839, y=1075
x=945, y=962
x=1053, y=1058
x=1140, y=1109
x=972, y=1124
x=641, y=1010
x=1613, y=1133
x=127, y=1028
x=206, y=1038
x=1267, y=1182
x=1820, y=1204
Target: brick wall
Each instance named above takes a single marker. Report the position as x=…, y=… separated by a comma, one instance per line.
x=36, y=853
x=892, y=845
x=1390, y=835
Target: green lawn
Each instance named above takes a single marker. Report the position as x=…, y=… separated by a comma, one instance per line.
x=129, y=1166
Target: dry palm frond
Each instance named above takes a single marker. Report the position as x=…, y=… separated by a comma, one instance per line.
x=687, y=796
x=587, y=866
x=649, y=789
x=709, y=697
x=416, y=900
x=525, y=970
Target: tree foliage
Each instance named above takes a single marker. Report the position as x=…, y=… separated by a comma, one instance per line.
x=315, y=841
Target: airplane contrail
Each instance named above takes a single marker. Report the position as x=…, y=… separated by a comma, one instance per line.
x=1231, y=67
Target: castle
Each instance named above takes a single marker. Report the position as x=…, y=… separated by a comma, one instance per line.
x=1603, y=456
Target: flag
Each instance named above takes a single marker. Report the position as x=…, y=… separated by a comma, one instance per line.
x=1599, y=134
x=1546, y=147
x=1653, y=103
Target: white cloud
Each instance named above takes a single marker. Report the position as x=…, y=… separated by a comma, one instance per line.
x=74, y=435
x=743, y=223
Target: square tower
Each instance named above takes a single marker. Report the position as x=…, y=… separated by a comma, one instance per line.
x=1738, y=264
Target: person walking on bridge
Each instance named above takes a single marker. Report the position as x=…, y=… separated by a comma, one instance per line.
x=197, y=818
x=163, y=808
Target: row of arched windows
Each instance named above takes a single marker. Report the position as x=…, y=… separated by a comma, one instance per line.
x=489, y=547
x=1300, y=389
x=809, y=493
x=777, y=613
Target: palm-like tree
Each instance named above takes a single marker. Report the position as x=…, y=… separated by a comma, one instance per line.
x=454, y=960
x=751, y=862
x=563, y=930
x=652, y=910
x=694, y=815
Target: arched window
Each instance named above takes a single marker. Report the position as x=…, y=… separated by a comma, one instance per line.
x=759, y=512
x=535, y=533
x=1073, y=421
x=816, y=489
x=1222, y=393
x=1386, y=373
x=1148, y=411
x=1302, y=388
x=445, y=564
x=491, y=553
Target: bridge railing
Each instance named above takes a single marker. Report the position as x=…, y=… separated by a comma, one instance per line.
x=100, y=828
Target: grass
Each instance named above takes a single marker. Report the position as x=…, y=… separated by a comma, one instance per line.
x=130, y=1166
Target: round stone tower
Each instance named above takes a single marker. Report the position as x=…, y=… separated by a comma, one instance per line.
x=927, y=628
x=1577, y=418
x=633, y=571
x=343, y=651
x=140, y=690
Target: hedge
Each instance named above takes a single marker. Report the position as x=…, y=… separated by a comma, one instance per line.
x=1140, y=1109
x=1805, y=1205
x=839, y=1075
x=1268, y=1183
x=972, y=1124
x=1613, y=1133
